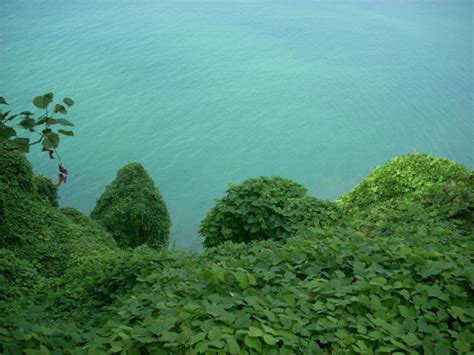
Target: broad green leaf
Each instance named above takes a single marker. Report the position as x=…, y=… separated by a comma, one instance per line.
x=253, y=343
x=64, y=122
x=28, y=123
x=232, y=345
x=65, y=132
x=50, y=140
x=255, y=332
x=23, y=144
x=410, y=339
x=6, y=132
x=58, y=108
x=378, y=281
x=242, y=278
x=68, y=101
x=43, y=101
x=269, y=339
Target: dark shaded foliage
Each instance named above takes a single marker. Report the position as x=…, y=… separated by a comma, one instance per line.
x=36, y=231
x=133, y=210
x=46, y=188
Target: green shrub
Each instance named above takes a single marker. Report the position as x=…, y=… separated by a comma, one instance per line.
x=415, y=191
x=402, y=177
x=35, y=231
x=17, y=277
x=264, y=208
x=46, y=188
x=133, y=210
x=15, y=172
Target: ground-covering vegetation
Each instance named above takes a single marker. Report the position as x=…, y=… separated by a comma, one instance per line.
x=389, y=271
x=133, y=210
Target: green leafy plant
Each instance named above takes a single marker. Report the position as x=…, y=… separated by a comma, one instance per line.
x=41, y=129
x=133, y=210
x=45, y=187
x=398, y=277
x=34, y=230
x=413, y=191
x=264, y=208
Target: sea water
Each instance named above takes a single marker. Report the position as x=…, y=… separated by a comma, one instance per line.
x=207, y=93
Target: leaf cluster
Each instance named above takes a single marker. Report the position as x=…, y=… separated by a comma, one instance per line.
x=41, y=126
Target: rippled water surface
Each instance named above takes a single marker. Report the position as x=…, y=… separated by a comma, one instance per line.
x=207, y=93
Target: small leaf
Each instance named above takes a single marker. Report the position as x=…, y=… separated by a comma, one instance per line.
x=242, y=278
x=23, y=144
x=43, y=101
x=253, y=343
x=51, y=140
x=64, y=122
x=269, y=339
x=68, y=101
x=50, y=121
x=3, y=101
x=378, y=281
x=6, y=132
x=60, y=109
x=410, y=339
x=28, y=123
x=255, y=332
x=65, y=132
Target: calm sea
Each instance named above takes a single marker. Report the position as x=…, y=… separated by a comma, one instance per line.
x=207, y=93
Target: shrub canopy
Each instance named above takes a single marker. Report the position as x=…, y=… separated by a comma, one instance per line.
x=133, y=210
x=34, y=230
x=46, y=188
x=263, y=208
x=415, y=191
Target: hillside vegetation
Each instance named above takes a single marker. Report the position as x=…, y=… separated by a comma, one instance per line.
x=387, y=268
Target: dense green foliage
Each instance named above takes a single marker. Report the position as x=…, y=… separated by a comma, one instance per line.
x=17, y=276
x=46, y=188
x=36, y=231
x=133, y=210
x=331, y=290
x=264, y=208
x=395, y=275
x=416, y=193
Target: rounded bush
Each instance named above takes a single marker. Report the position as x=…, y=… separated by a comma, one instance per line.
x=133, y=210
x=15, y=171
x=263, y=208
x=403, y=176
x=46, y=188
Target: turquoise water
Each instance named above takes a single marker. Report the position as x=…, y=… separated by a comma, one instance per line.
x=207, y=93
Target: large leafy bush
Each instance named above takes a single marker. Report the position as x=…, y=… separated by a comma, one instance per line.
x=410, y=175
x=416, y=192
x=46, y=188
x=34, y=230
x=264, y=208
x=133, y=210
